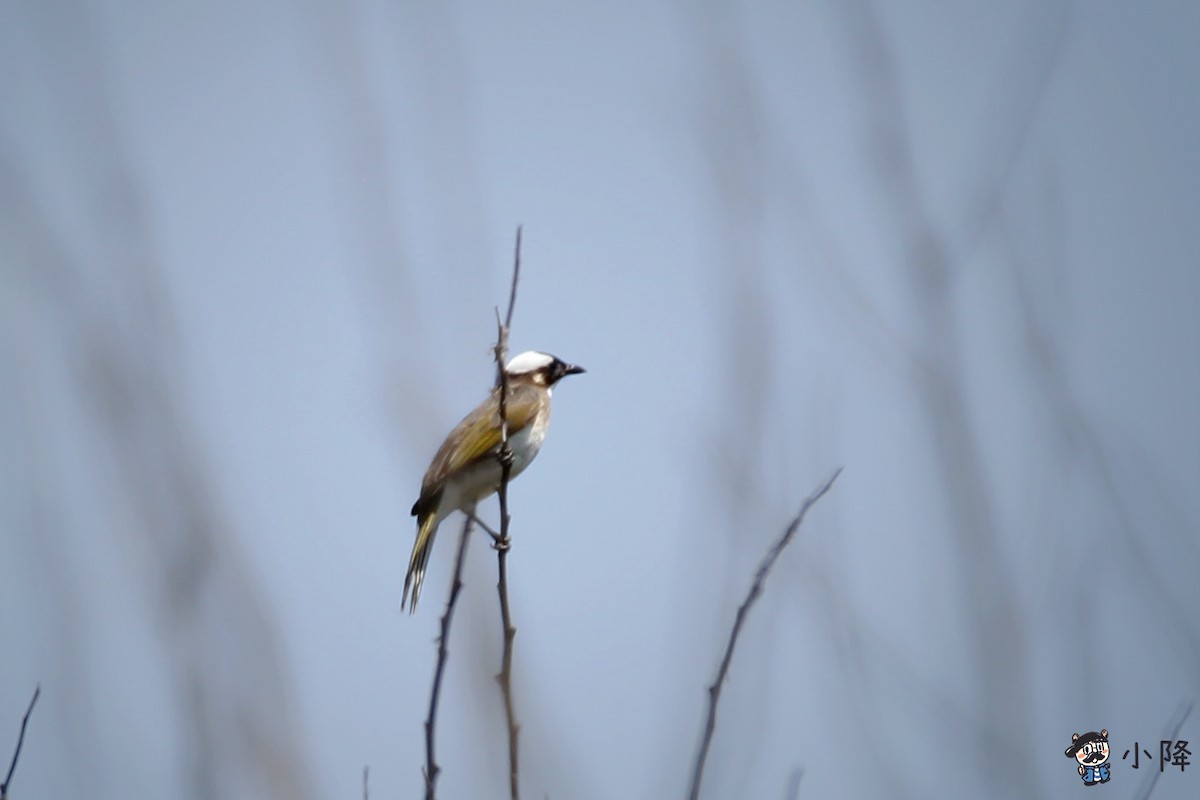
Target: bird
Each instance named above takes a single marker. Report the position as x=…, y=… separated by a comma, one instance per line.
x=467, y=467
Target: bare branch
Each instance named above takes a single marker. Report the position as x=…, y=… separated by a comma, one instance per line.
x=431, y=768
x=756, y=589
x=503, y=542
x=512, y=292
x=37, y=691
x=366, y=777
x=502, y=329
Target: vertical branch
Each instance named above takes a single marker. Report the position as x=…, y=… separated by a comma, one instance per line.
x=756, y=589
x=12, y=765
x=431, y=768
x=512, y=292
x=503, y=542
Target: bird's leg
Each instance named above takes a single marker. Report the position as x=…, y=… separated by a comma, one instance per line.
x=490, y=531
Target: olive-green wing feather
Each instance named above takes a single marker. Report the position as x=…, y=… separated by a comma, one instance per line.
x=477, y=437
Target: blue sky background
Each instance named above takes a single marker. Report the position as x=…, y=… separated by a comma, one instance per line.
x=249, y=256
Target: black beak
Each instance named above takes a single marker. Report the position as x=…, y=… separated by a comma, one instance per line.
x=561, y=369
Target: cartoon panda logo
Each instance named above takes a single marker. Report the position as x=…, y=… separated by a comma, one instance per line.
x=1091, y=751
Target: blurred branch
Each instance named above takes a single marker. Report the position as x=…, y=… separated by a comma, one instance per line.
x=366, y=777
x=793, y=787
x=930, y=262
x=37, y=691
x=431, y=768
x=107, y=324
x=1082, y=435
x=756, y=589
x=502, y=543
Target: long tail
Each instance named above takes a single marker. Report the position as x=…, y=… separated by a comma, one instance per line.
x=426, y=530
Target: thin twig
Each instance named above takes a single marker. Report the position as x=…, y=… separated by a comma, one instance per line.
x=756, y=589
x=366, y=777
x=503, y=543
x=431, y=768
x=512, y=292
x=12, y=765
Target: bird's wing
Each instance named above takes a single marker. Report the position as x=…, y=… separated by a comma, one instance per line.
x=476, y=436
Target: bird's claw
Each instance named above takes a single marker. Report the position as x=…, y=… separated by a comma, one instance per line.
x=506, y=456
